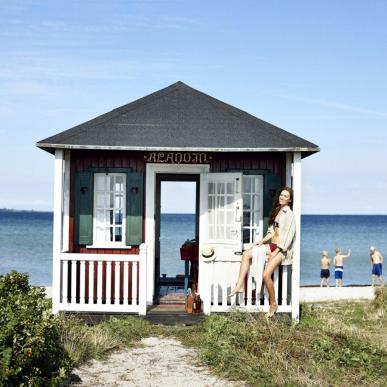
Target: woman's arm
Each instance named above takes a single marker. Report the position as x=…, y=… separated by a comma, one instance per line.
x=267, y=237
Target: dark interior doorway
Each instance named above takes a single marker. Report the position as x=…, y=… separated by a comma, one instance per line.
x=172, y=230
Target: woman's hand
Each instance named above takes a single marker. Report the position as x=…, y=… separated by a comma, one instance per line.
x=260, y=243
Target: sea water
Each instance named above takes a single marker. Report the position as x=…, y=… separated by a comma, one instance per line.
x=26, y=243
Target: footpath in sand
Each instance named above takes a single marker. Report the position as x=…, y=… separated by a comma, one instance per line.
x=157, y=362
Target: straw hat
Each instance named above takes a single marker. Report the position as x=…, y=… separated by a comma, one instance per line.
x=208, y=253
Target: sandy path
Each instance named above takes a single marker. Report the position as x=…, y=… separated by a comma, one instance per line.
x=158, y=362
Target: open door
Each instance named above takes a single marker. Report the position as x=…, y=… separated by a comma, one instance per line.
x=221, y=217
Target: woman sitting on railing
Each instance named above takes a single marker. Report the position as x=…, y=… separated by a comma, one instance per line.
x=281, y=234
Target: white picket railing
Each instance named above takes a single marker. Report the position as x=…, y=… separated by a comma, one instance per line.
x=110, y=283
x=223, y=275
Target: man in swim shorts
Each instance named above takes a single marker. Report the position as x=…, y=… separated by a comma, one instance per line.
x=376, y=265
x=324, y=274
x=339, y=268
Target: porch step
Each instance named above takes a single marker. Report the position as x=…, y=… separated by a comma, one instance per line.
x=172, y=314
x=173, y=298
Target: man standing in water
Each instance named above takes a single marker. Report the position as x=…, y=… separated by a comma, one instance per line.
x=376, y=265
x=338, y=263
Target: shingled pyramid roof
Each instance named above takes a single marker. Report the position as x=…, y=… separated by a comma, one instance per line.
x=179, y=118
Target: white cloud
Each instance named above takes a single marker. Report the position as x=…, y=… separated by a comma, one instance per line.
x=336, y=105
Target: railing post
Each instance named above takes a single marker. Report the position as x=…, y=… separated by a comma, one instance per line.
x=142, y=280
x=297, y=244
x=57, y=229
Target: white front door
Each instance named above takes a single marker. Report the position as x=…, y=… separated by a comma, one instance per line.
x=221, y=217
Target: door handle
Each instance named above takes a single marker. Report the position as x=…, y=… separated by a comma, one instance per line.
x=238, y=253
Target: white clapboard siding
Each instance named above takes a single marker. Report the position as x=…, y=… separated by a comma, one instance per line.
x=112, y=287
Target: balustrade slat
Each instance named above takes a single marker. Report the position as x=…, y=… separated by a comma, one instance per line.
x=91, y=283
x=276, y=277
x=134, y=283
x=73, y=282
x=82, y=283
x=284, y=285
x=99, y=283
x=108, y=283
x=65, y=283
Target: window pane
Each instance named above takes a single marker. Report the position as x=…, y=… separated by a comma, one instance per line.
x=118, y=236
x=119, y=184
x=246, y=218
x=255, y=202
x=118, y=217
x=230, y=217
x=230, y=188
x=110, y=182
x=220, y=189
x=100, y=233
x=220, y=202
x=255, y=218
x=111, y=234
x=110, y=216
x=211, y=202
x=100, y=200
x=211, y=188
x=246, y=236
x=246, y=184
x=100, y=218
x=256, y=185
x=119, y=202
x=246, y=202
x=100, y=182
x=221, y=217
x=111, y=200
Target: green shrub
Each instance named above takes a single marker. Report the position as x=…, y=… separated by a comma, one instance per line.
x=30, y=348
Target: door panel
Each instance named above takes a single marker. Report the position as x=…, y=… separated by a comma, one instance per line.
x=221, y=210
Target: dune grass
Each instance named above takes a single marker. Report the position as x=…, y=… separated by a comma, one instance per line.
x=343, y=344
x=337, y=344
x=83, y=342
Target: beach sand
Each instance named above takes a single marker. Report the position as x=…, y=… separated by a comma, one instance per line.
x=157, y=362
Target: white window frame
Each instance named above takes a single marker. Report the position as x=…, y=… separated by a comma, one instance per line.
x=256, y=229
x=108, y=244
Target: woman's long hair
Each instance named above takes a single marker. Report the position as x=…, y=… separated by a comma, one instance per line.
x=276, y=206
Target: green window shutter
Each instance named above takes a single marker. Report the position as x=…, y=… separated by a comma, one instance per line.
x=134, y=196
x=271, y=185
x=84, y=208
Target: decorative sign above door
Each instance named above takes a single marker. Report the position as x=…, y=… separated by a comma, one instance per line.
x=178, y=158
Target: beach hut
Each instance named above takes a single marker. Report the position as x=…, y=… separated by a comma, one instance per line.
x=107, y=180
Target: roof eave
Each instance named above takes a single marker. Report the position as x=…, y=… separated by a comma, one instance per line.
x=50, y=147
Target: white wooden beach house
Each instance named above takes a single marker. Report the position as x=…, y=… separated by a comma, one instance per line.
x=108, y=173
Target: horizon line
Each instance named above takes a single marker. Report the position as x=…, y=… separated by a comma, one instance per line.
x=193, y=213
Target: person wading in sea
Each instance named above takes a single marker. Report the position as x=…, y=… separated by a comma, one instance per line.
x=339, y=268
x=376, y=265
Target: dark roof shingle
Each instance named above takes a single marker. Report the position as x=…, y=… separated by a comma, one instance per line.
x=175, y=118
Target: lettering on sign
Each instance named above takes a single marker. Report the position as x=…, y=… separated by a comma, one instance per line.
x=178, y=158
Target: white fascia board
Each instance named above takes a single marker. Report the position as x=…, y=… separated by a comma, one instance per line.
x=174, y=149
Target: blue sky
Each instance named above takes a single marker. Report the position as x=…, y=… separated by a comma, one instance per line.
x=315, y=68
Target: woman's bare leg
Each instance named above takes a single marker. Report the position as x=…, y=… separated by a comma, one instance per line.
x=244, y=267
x=271, y=266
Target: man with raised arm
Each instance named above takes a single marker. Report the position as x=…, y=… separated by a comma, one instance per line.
x=339, y=268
